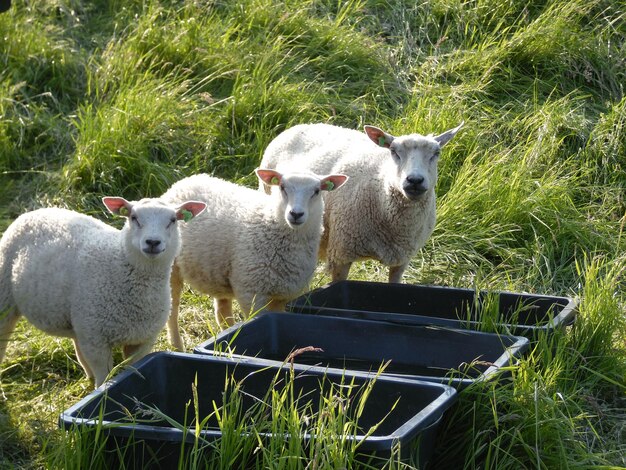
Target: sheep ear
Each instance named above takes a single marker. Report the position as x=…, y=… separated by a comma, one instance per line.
x=190, y=209
x=117, y=205
x=332, y=182
x=269, y=177
x=378, y=136
x=446, y=137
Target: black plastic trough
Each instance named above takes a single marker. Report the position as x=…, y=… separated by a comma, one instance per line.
x=443, y=355
x=517, y=313
x=124, y=410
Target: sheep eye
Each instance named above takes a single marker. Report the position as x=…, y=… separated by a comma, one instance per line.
x=134, y=219
x=394, y=154
x=282, y=188
x=316, y=192
x=172, y=221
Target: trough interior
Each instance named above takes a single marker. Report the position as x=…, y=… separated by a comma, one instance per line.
x=365, y=345
x=165, y=383
x=441, y=302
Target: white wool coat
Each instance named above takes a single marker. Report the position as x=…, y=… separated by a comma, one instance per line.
x=241, y=247
x=71, y=275
x=369, y=218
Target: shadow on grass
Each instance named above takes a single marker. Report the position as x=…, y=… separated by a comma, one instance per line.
x=38, y=378
x=14, y=453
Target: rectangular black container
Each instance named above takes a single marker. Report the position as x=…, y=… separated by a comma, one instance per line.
x=443, y=355
x=519, y=314
x=165, y=381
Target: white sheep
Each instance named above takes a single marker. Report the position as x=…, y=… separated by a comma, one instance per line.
x=387, y=212
x=259, y=249
x=72, y=275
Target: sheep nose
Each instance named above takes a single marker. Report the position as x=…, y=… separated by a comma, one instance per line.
x=414, y=186
x=153, y=246
x=415, y=180
x=295, y=215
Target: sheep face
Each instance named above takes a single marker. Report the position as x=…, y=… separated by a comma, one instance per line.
x=415, y=156
x=300, y=193
x=416, y=160
x=153, y=229
x=152, y=224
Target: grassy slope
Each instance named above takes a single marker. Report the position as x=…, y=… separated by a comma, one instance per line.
x=126, y=97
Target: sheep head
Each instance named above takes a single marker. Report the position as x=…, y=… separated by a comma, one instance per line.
x=152, y=224
x=300, y=193
x=415, y=157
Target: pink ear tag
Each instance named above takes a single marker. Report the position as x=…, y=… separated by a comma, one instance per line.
x=123, y=211
x=274, y=180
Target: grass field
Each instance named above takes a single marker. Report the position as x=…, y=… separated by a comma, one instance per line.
x=126, y=97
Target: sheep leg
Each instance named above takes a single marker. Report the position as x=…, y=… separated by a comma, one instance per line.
x=396, y=272
x=98, y=359
x=8, y=320
x=277, y=305
x=224, y=312
x=176, y=287
x=137, y=351
x=83, y=362
x=253, y=303
x=339, y=272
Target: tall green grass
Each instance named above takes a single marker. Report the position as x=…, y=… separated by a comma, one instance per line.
x=124, y=98
x=301, y=426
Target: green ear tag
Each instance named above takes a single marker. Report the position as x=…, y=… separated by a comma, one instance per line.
x=330, y=185
x=187, y=215
x=274, y=180
x=123, y=211
x=382, y=141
